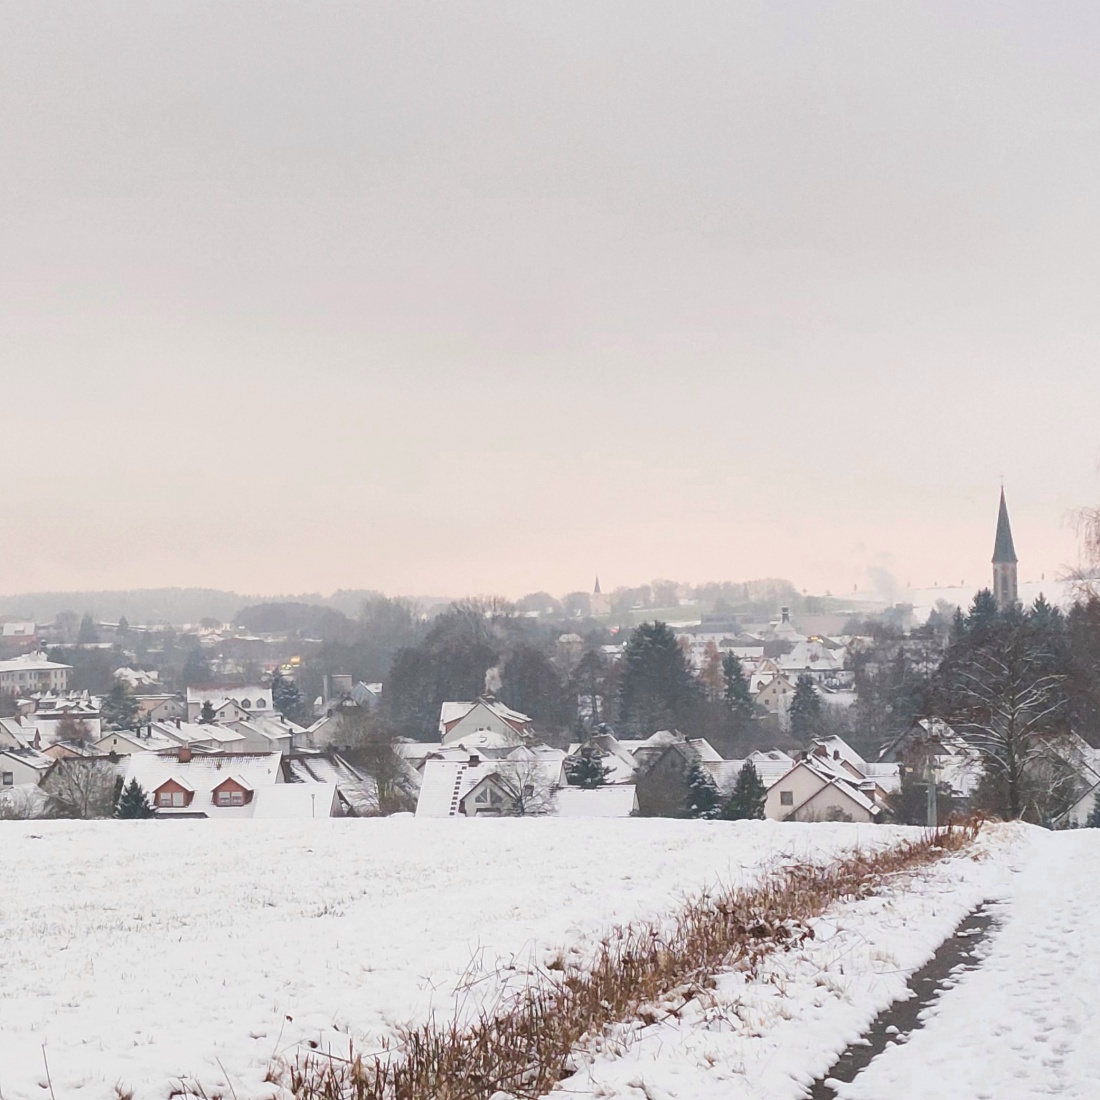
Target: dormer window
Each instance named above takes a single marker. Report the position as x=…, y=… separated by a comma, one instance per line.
x=260, y=704
x=246, y=703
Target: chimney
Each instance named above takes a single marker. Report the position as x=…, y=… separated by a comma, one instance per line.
x=185, y=754
x=786, y=613
x=475, y=760
x=149, y=730
x=177, y=723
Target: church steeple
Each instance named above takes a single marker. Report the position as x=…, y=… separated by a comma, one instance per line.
x=1005, y=589
x=596, y=590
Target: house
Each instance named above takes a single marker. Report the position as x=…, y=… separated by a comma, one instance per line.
x=160, y=707
x=18, y=637
x=476, y=787
x=774, y=696
x=61, y=718
x=356, y=791
x=229, y=704
x=812, y=791
x=485, y=713
x=931, y=742
x=823, y=663
x=142, y=739
x=33, y=672
x=227, y=785
x=19, y=766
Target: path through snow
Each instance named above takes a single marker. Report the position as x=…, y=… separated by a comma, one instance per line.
x=1020, y=1026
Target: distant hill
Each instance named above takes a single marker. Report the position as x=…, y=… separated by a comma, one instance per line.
x=174, y=605
x=141, y=605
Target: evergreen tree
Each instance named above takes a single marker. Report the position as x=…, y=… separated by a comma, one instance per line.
x=287, y=698
x=120, y=709
x=658, y=690
x=805, y=711
x=737, y=694
x=586, y=769
x=746, y=800
x=133, y=802
x=703, y=799
x=207, y=716
x=88, y=633
x=1093, y=820
x=196, y=670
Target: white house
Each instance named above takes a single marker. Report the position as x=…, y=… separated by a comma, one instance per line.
x=458, y=719
x=811, y=791
x=230, y=704
x=22, y=766
x=226, y=785
x=33, y=672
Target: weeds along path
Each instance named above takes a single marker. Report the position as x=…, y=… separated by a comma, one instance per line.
x=524, y=1049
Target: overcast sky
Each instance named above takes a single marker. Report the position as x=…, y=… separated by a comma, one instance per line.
x=487, y=297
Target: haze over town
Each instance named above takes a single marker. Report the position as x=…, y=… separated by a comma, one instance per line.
x=493, y=297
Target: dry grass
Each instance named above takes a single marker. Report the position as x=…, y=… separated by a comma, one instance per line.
x=524, y=1050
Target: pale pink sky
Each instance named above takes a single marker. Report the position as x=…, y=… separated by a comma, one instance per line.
x=488, y=297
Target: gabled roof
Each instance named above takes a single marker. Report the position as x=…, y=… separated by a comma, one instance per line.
x=619, y=800
x=1004, y=553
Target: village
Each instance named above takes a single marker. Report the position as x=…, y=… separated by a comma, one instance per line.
x=233, y=751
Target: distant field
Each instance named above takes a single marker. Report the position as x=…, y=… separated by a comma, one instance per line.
x=143, y=953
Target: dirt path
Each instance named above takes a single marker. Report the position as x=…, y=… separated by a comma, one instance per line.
x=956, y=955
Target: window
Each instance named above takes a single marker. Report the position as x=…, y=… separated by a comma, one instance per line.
x=223, y=798
x=786, y=798
x=236, y=798
x=8, y=779
x=260, y=704
x=179, y=798
x=246, y=703
x=164, y=798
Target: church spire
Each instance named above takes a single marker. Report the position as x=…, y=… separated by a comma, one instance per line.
x=596, y=590
x=1004, y=553
x=1005, y=589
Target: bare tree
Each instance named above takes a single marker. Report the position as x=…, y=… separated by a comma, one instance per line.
x=78, y=730
x=528, y=786
x=1086, y=577
x=372, y=748
x=23, y=803
x=82, y=787
x=1007, y=704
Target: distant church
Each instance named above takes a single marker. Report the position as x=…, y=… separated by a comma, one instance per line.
x=1005, y=587
x=600, y=604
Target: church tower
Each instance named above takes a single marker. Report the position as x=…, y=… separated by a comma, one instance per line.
x=1004, y=560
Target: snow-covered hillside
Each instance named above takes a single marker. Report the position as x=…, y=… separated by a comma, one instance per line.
x=144, y=952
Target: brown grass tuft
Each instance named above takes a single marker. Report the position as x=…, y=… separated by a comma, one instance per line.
x=524, y=1050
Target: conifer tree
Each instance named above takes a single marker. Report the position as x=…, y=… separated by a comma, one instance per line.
x=657, y=690
x=737, y=694
x=1093, y=820
x=586, y=769
x=703, y=799
x=805, y=710
x=207, y=717
x=120, y=708
x=746, y=800
x=133, y=802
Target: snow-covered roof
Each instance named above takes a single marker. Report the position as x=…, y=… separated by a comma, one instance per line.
x=31, y=662
x=451, y=712
x=296, y=800
x=203, y=774
x=619, y=800
x=358, y=790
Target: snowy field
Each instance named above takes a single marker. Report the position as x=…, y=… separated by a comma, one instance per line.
x=146, y=954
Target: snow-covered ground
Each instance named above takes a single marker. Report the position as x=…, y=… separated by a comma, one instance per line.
x=144, y=952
